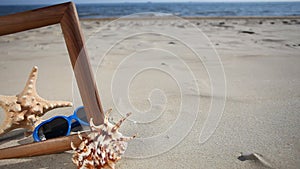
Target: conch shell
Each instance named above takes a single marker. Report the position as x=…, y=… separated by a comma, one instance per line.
x=25, y=109
x=103, y=147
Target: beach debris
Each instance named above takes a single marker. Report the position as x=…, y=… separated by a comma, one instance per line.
x=247, y=32
x=25, y=109
x=103, y=147
x=255, y=157
x=221, y=25
x=286, y=22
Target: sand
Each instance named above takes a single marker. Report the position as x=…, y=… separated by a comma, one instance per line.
x=260, y=58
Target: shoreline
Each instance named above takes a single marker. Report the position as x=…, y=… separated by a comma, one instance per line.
x=194, y=18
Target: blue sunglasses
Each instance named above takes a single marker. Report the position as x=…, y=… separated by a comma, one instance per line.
x=60, y=125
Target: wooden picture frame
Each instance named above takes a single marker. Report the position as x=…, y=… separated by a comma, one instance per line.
x=66, y=15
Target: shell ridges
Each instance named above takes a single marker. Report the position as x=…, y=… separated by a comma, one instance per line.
x=103, y=146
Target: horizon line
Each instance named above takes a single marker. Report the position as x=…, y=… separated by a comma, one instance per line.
x=217, y=1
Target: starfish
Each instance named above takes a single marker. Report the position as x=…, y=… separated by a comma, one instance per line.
x=25, y=109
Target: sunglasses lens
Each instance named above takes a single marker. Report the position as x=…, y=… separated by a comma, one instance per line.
x=56, y=128
x=81, y=114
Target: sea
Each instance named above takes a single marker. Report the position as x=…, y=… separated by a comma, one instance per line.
x=188, y=9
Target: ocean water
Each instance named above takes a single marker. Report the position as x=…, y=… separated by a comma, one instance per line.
x=189, y=9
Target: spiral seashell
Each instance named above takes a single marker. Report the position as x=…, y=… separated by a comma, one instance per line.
x=103, y=147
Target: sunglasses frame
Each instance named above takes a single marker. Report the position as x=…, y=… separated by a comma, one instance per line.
x=69, y=119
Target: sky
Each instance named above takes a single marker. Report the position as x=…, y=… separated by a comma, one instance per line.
x=20, y=2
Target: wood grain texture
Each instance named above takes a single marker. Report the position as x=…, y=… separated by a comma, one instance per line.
x=81, y=66
x=32, y=19
x=40, y=148
x=66, y=15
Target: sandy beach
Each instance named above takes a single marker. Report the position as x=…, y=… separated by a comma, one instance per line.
x=261, y=62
